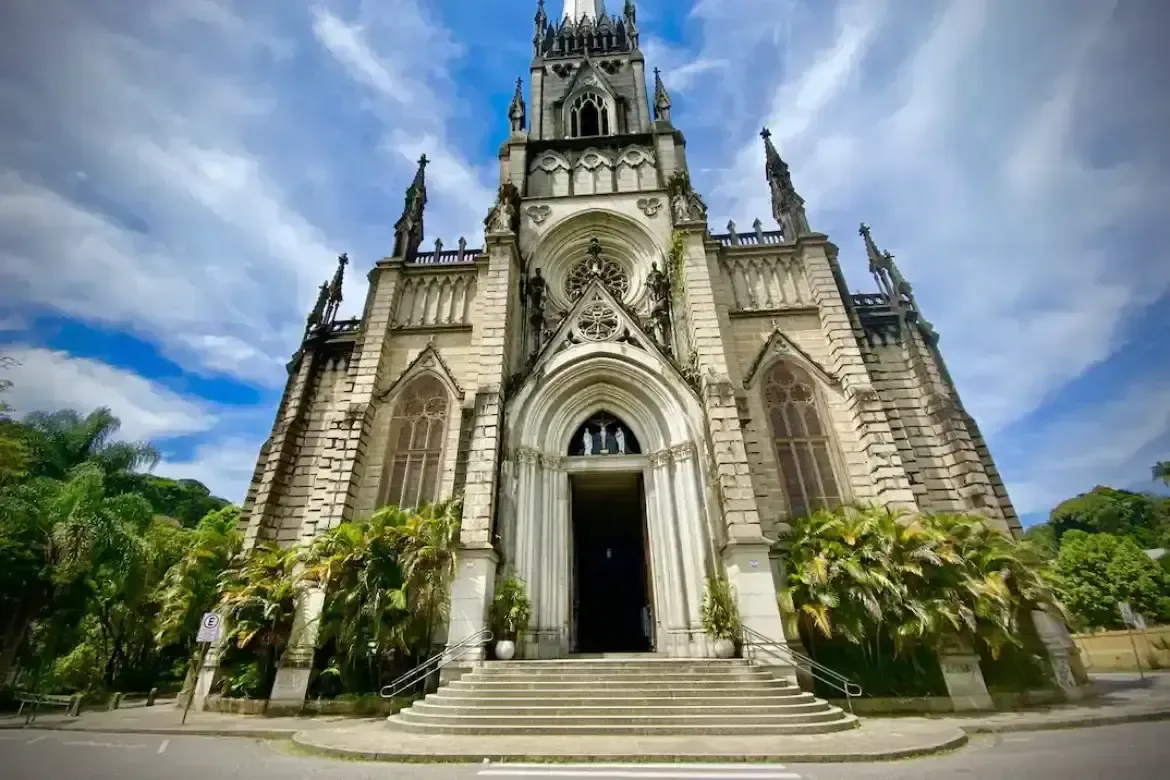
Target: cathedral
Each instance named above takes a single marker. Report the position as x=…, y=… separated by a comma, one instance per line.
x=626, y=397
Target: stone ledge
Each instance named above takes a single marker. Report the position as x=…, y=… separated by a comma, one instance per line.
x=378, y=743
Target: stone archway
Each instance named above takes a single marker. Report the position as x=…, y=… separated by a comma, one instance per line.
x=535, y=506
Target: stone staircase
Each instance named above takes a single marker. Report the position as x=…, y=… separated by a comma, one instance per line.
x=637, y=696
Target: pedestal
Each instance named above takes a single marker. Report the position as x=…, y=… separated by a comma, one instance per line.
x=291, y=685
x=964, y=679
x=471, y=593
x=750, y=574
x=1063, y=655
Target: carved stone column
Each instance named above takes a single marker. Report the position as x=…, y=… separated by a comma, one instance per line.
x=296, y=663
x=963, y=677
x=663, y=524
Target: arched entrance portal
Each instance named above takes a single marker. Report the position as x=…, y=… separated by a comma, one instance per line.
x=612, y=585
x=610, y=532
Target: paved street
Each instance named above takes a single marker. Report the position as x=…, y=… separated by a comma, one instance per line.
x=1127, y=752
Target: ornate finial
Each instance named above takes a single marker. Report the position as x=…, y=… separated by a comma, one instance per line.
x=661, y=98
x=438, y=247
x=758, y=226
x=317, y=314
x=766, y=134
x=517, y=112
x=408, y=231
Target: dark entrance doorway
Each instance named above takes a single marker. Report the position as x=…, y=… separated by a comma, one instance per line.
x=611, y=584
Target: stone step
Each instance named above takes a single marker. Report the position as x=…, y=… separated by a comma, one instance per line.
x=472, y=691
x=621, y=721
x=623, y=678
x=603, y=684
x=607, y=726
x=433, y=706
x=445, y=697
x=609, y=665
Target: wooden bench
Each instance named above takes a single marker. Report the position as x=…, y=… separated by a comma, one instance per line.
x=72, y=704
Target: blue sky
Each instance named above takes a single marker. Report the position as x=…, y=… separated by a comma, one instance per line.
x=177, y=178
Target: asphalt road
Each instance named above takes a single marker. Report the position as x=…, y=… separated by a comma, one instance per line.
x=1131, y=752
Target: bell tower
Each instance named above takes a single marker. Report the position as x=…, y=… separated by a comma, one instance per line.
x=588, y=73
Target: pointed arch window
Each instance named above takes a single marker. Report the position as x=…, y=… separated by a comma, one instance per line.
x=588, y=115
x=417, y=431
x=800, y=439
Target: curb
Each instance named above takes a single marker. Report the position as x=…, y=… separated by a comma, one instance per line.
x=1067, y=723
x=160, y=732
x=301, y=741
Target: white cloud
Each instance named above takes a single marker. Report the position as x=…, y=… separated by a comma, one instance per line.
x=224, y=466
x=46, y=381
x=1115, y=443
x=179, y=231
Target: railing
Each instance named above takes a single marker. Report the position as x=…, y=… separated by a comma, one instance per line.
x=764, y=237
x=435, y=663
x=819, y=671
x=446, y=257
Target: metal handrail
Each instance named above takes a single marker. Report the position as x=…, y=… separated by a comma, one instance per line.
x=830, y=677
x=424, y=670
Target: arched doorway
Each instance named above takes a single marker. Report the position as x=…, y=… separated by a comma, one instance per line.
x=608, y=541
x=612, y=589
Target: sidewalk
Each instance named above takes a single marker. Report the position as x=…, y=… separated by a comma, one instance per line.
x=1122, y=698
x=165, y=718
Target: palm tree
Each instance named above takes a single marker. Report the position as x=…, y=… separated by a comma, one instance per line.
x=365, y=612
x=191, y=587
x=61, y=441
x=258, y=603
x=426, y=544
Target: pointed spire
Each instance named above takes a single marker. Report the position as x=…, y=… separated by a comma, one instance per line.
x=888, y=276
x=408, y=231
x=540, y=23
x=517, y=112
x=787, y=205
x=335, y=288
x=661, y=98
x=317, y=314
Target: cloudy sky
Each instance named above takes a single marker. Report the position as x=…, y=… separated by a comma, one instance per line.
x=177, y=178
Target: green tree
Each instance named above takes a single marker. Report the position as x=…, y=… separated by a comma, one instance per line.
x=61, y=441
x=1138, y=516
x=186, y=500
x=1093, y=572
x=13, y=451
x=1161, y=471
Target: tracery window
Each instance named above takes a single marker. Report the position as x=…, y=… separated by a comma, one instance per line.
x=800, y=439
x=415, y=454
x=588, y=115
x=613, y=277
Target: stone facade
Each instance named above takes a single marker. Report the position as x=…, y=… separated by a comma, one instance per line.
x=643, y=313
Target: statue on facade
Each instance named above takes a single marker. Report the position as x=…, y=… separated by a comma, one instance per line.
x=535, y=291
x=587, y=441
x=604, y=446
x=685, y=203
x=619, y=438
x=500, y=220
x=659, y=287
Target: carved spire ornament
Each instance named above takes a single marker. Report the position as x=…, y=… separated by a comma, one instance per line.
x=408, y=231
x=787, y=205
x=661, y=98
x=517, y=112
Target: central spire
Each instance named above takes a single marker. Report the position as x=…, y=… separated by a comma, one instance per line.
x=575, y=9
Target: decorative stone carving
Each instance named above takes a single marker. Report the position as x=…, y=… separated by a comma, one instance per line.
x=682, y=452
x=598, y=322
x=660, y=458
x=538, y=214
x=613, y=277
x=650, y=206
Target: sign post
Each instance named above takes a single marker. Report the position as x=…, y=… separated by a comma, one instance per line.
x=210, y=630
x=1131, y=619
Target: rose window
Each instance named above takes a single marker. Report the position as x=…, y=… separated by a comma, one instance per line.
x=598, y=322
x=612, y=276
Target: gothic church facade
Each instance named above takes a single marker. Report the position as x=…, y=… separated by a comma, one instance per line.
x=626, y=398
